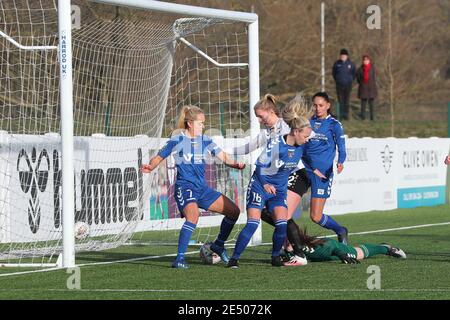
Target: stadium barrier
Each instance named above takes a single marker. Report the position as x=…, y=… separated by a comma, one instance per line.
x=385, y=174
x=379, y=174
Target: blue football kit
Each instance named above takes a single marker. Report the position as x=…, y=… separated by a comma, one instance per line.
x=276, y=162
x=320, y=152
x=191, y=156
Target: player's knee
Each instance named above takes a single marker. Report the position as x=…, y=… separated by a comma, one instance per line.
x=234, y=213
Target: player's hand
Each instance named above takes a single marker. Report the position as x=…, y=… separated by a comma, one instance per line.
x=319, y=174
x=146, y=168
x=447, y=160
x=348, y=258
x=270, y=189
x=238, y=165
x=340, y=167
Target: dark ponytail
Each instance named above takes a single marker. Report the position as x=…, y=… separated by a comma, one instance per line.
x=307, y=240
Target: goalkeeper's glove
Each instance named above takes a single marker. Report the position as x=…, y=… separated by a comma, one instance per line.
x=348, y=258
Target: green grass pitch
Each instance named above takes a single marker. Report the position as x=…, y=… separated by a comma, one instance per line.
x=424, y=275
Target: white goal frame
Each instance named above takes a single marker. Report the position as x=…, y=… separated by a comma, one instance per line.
x=66, y=93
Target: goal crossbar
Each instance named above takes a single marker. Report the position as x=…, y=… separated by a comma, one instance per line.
x=185, y=9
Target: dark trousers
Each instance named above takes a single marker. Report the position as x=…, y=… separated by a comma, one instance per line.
x=363, y=108
x=343, y=95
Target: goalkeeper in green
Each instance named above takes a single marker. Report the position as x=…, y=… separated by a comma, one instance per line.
x=327, y=249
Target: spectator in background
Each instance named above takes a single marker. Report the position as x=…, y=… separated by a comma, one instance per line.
x=447, y=160
x=367, y=90
x=344, y=72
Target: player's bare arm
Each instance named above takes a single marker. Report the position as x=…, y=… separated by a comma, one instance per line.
x=230, y=162
x=154, y=162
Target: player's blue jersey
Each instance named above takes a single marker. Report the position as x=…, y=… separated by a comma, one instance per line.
x=277, y=161
x=320, y=150
x=191, y=155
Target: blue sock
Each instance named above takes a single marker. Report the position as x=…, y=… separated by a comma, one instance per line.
x=225, y=230
x=183, y=240
x=279, y=235
x=244, y=237
x=328, y=223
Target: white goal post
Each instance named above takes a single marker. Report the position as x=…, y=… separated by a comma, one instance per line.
x=66, y=158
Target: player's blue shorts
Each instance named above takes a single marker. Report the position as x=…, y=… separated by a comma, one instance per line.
x=258, y=198
x=186, y=193
x=320, y=188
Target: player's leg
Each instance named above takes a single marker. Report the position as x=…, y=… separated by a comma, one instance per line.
x=293, y=201
x=279, y=234
x=253, y=218
x=231, y=211
x=359, y=253
x=298, y=185
x=267, y=217
x=256, y=201
x=320, y=192
x=370, y=250
x=191, y=213
x=326, y=221
x=292, y=245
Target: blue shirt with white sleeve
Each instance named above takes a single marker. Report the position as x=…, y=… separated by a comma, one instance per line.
x=277, y=161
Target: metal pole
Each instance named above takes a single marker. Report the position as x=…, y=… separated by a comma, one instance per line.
x=254, y=93
x=66, y=105
x=322, y=41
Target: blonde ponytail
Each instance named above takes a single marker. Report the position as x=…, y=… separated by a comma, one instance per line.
x=188, y=113
x=268, y=102
x=297, y=113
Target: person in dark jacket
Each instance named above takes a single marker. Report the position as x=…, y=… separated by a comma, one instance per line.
x=344, y=72
x=367, y=90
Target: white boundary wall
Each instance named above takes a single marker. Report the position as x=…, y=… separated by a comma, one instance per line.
x=379, y=174
x=384, y=174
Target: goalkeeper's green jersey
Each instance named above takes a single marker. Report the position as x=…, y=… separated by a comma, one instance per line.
x=328, y=251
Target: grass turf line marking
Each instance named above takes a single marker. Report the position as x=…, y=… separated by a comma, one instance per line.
x=383, y=230
x=193, y=252
x=229, y=290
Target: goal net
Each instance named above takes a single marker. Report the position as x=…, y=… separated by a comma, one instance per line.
x=133, y=71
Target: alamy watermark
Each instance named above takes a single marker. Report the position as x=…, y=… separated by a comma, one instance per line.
x=74, y=280
x=76, y=17
x=374, y=280
x=374, y=20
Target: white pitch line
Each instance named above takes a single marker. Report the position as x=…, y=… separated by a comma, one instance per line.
x=29, y=272
x=193, y=252
x=384, y=230
x=229, y=290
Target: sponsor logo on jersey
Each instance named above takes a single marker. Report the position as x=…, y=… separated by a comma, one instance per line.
x=279, y=163
x=291, y=153
x=320, y=191
x=188, y=157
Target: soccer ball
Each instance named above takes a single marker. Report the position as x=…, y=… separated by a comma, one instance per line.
x=207, y=255
x=81, y=230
